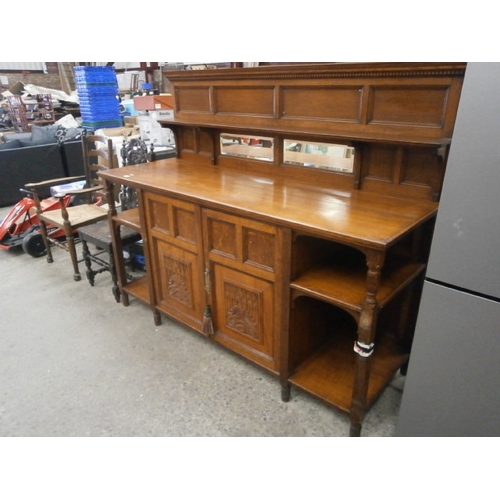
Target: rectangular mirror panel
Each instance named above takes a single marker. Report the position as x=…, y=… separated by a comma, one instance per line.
x=337, y=157
x=248, y=146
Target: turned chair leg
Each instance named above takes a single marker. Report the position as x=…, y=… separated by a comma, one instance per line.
x=88, y=262
x=70, y=241
x=46, y=242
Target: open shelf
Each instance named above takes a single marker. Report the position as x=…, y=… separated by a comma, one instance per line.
x=329, y=372
x=139, y=289
x=129, y=218
x=345, y=285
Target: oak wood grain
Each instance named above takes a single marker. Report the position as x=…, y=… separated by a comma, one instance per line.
x=348, y=216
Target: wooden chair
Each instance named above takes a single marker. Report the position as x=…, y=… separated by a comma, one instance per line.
x=99, y=235
x=98, y=156
x=97, y=251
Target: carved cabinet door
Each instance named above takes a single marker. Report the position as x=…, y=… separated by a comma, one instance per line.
x=243, y=313
x=178, y=283
x=202, y=257
x=242, y=260
x=175, y=240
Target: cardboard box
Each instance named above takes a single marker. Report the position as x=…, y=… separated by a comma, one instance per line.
x=153, y=102
x=123, y=132
x=131, y=120
x=117, y=136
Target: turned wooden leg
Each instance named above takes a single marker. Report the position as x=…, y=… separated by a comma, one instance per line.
x=117, y=267
x=70, y=241
x=88, y=262
x=364, y=344
x=355, y=429
x=285, y=393
x=360, y=389
x=46, y=242
x=157, y=317
x=114, y=277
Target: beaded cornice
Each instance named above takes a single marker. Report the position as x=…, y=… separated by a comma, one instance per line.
x=332, y=71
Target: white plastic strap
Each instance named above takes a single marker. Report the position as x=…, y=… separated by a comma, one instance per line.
x=364, y=350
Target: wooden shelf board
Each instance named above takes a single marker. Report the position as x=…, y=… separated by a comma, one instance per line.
x=346, y=286
x=329, y=373
x=139, y=288
x=129, y=218
x=279, y=128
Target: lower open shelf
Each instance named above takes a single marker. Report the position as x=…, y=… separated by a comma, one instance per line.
x=139, y=289
x=329, y=373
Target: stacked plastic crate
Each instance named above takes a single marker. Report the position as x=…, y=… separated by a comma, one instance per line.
x=97, y=89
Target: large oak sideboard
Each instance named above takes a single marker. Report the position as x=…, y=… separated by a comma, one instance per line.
x=293, y=227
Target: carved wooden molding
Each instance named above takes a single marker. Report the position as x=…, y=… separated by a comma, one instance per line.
x=325, y=71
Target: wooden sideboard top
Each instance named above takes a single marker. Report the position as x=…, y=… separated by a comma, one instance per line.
x=348, y=216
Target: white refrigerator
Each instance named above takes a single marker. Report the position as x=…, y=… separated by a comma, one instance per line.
x=452, y=387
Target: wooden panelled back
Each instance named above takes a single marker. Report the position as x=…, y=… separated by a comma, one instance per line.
x=402, y=102
x=399, y=117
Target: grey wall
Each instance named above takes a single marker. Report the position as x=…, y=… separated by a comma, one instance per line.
x=453, y=382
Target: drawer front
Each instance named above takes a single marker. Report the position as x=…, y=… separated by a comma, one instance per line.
x=173, y=220
x=243, y=244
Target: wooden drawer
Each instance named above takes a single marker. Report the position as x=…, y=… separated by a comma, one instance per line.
x=173, y=220
x=241, y=243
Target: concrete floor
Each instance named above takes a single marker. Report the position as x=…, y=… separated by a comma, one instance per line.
x=73, y=362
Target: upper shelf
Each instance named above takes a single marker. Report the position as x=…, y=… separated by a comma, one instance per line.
x=414, y=103
x=345, y=136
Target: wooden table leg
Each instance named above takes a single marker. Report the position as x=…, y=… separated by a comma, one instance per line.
x=360, y=387
x=364, y=344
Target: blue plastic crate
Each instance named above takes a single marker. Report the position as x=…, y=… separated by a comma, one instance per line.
x=97, y=88
x=98, y=111
x=99, y=104
x=102, y=124
x=102, y=119
x=103, y=80
x=95, y=74
x=112, y=97
x=105, y=106
x=88, y=96
x=94, y=70
x=95, y=120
